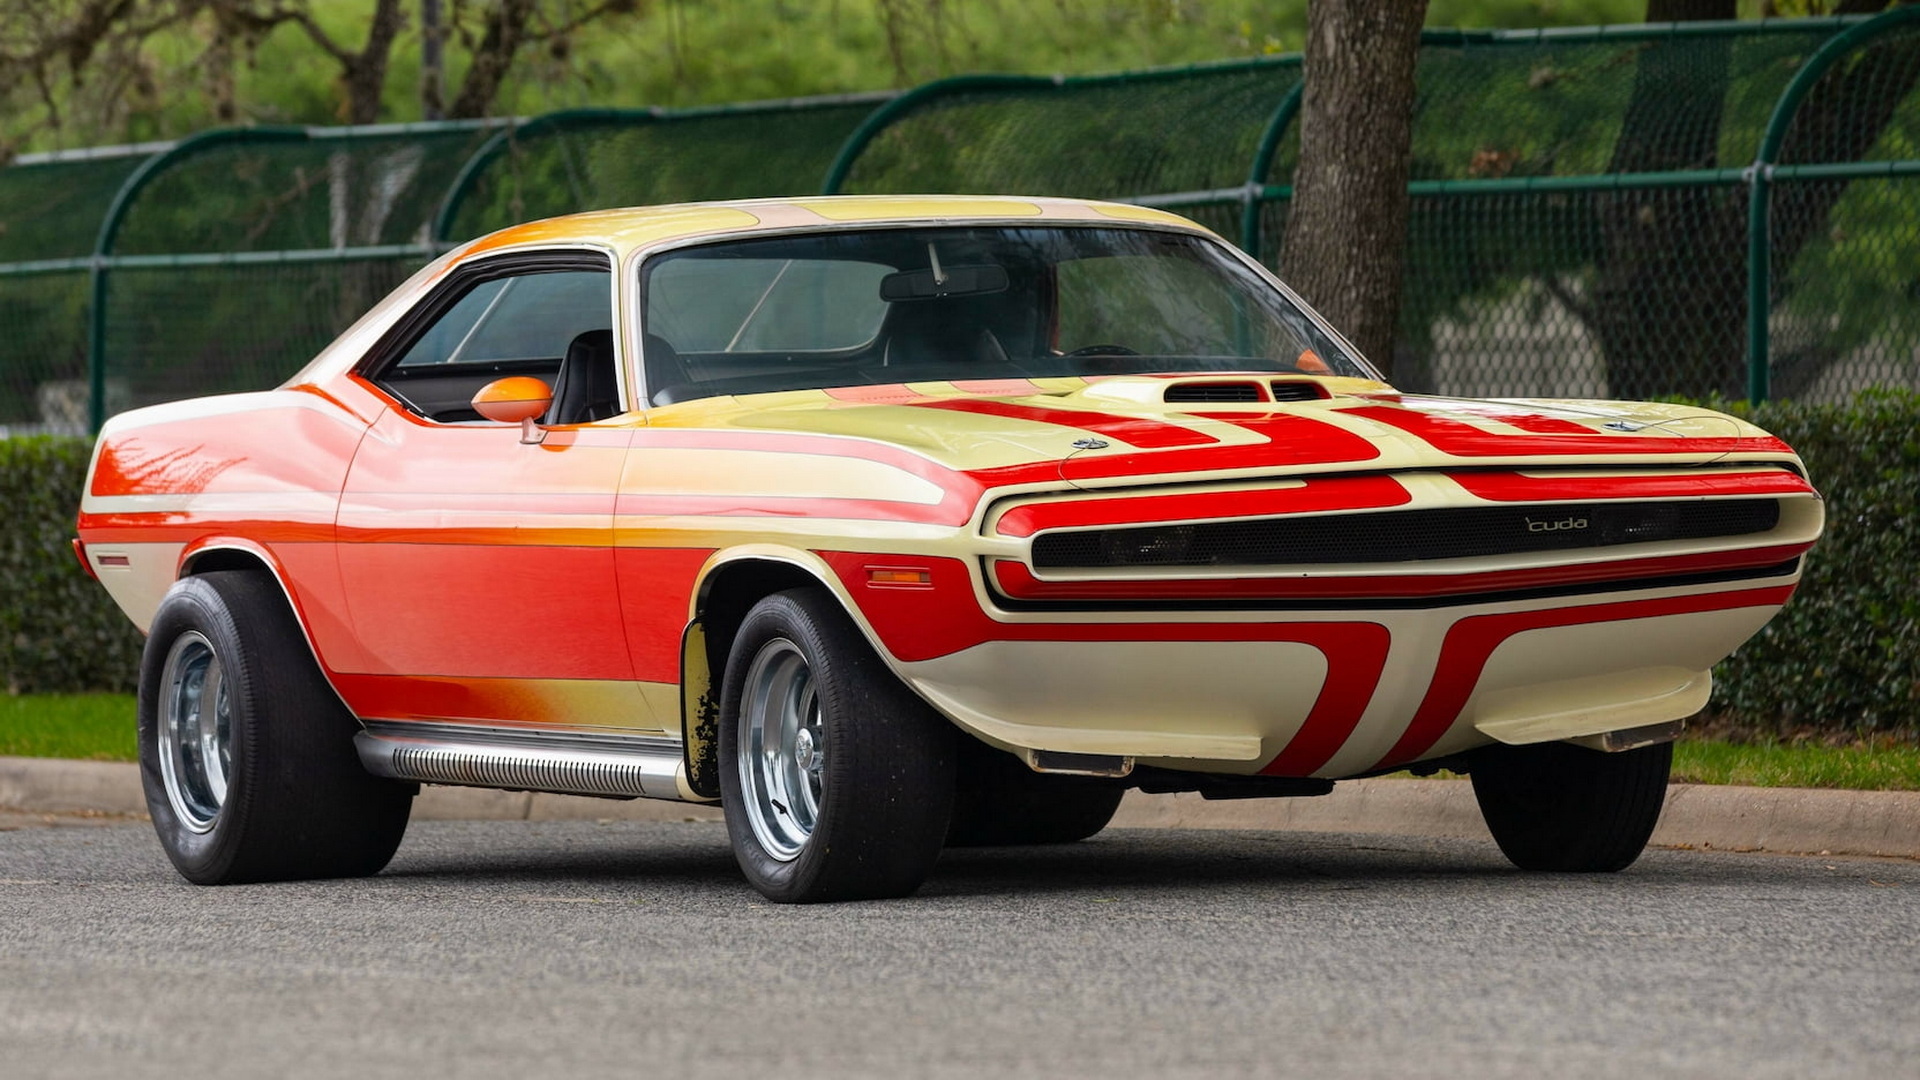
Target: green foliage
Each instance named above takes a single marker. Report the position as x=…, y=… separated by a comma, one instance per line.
x=86, y=727
x=59, y=631
x=1845, y=654
x=680, y=52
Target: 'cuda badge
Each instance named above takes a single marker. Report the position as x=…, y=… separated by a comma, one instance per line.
x=1090, y=444
x=1555, y=526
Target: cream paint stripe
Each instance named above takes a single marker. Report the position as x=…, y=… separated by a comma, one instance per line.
x=225, y=502
x=770, y=474
x=222, y=405
x=428, y=521
x=139, y=586
x=860, y=534
x=1413, y=657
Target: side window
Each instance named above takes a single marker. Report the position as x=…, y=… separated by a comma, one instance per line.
x=528, y=317
x=523, y=320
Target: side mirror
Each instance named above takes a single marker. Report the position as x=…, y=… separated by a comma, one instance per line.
x=515, y=399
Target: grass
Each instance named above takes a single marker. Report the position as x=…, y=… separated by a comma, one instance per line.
x=89, y=727
x=1797, y=764
x=99, y=727
x=1861, y=766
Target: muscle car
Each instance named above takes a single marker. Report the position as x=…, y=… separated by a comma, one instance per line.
x=894, y=523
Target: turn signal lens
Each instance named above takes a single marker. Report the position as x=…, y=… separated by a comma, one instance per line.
x=899, y=577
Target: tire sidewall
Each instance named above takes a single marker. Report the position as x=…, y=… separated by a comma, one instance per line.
x=777, y=618
x=195, y=605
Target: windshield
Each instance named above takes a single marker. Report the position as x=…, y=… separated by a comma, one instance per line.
x=890, y=306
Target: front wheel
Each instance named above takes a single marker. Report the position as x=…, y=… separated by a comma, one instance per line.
x=1559, y=807
x=246, y=755
x=837, y=781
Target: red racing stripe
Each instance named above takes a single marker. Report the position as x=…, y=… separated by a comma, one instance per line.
x=1462, y=439
x=1315, y=495
x=1471, y=641
x=1516, y=487
x=1356, y=655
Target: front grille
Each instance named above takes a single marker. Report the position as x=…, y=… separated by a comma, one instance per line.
x=1182, y=393
x=1406, y=535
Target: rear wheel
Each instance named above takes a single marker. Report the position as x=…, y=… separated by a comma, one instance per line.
x=246, y=755
x=837, y=781
x=1559, y=807
x=1001, y=802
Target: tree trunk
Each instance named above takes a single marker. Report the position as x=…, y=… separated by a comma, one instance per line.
x=364, y=74
x=493, y=58
x=1346, y=235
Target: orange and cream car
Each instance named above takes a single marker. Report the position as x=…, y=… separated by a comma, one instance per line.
x=895, y=523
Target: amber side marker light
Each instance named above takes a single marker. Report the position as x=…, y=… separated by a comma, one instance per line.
x=899, y=577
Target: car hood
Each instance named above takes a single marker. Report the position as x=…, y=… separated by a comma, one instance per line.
x=1124, y=429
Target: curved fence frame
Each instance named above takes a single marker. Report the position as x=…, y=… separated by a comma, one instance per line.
x=1850, y=34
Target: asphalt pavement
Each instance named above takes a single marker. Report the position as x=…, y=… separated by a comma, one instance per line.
x=585, y=948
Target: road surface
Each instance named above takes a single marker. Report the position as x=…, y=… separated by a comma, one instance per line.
x=533, y=949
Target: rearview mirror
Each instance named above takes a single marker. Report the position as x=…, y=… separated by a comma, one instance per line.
x=953, y=281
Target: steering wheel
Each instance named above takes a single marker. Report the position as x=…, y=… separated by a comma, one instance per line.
x=1103, y=350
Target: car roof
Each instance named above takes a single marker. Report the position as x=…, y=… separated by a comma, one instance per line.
x=639, y=228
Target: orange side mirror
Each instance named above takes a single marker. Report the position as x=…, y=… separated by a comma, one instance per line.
x=513, y=399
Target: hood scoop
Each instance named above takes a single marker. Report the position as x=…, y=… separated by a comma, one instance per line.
x=1189, y=393
x=1234, y=388
x=1247, y=390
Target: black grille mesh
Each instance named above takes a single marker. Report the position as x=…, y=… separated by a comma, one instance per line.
x=1298, y=391
x=1406, y=535
x=1187, y=392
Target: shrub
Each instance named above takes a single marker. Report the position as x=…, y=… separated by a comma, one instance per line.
x=1845, y=654
x=59, y=630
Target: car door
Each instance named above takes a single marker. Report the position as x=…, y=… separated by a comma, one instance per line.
x=478, y=565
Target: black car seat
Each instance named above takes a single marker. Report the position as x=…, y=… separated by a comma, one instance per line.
x=586, y=387
x=666, y=372
x=940, y=333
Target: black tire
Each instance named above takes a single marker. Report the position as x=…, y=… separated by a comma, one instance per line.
x=1559, y=807
x=867, y=820
x=293, y=800
x=999, y=802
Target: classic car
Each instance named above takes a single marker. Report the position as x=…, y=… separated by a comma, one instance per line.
x=894, y=523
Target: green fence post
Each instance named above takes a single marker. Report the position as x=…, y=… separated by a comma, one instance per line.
x=1760, y=177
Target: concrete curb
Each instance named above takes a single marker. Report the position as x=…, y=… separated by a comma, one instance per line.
x=1785, y=820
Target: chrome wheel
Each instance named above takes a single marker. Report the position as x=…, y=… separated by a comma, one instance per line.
x=195, y=731
x=782, y=749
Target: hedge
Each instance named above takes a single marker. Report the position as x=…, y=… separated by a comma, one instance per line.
x=1843, y=658
x=59, y=631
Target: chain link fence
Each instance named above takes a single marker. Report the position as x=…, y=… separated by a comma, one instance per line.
x=1693, y=209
